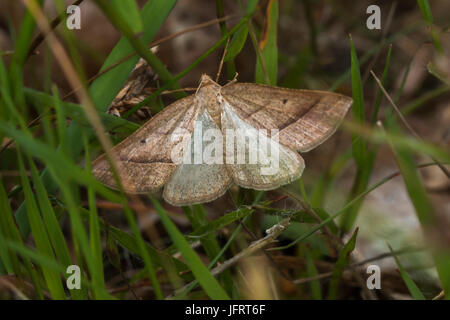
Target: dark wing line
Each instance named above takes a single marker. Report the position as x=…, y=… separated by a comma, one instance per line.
x=300, y=114
x=342, y=101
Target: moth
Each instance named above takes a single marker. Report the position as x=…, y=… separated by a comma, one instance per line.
x=278, y=124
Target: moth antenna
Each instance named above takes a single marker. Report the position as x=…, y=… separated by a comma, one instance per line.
x=221, y=61
x=232, y=81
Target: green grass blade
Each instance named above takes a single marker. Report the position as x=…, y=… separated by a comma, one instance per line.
x=105, y=88
x=359, y=116
x=40, y=236
x=19, y=57
x=220, y=223
x=51, y=222
x=130, y=13
x=341, y=263
x=422, y=205
x=140, y=46
x=197, y=216
x=57, y=161
x=76, y=113
x=412, y=287
x=363, y=159
x=240, y=37
x=311, y=271
x=9, y=230
x=267, y=69
x=94, y=232
x=425, y=8
x=200, y=271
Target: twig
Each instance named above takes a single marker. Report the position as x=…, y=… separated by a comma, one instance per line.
x=336, y=241
x=439, y=296
x=221, y=60
x=272, y=234
x=268, y=256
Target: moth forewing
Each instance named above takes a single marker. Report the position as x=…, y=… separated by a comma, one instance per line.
x=145, y=157
x=304, y=118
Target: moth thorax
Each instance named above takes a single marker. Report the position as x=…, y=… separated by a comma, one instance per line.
x=207, y=96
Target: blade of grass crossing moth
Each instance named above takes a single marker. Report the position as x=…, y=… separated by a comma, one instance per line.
x=130, y=13
x=197, y=216
x=105, y=88
x=412, y=287
x=40, y=236
x=422, y=205
x=268, y=47
x=425, y=8
x=341, y=263
x=206, y=280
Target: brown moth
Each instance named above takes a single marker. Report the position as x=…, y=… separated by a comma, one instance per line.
x=287, y=120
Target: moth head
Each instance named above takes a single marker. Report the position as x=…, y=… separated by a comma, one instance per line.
x=206, y=80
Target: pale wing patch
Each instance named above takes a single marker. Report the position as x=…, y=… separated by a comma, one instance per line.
x=145, y=156
x=305, y=118
x=267, y=164
x=196, y=179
